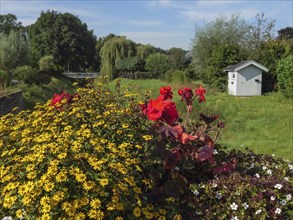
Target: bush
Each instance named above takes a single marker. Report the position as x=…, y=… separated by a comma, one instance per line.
x=94, y=155
x=76, y=161
x=25, y=73
x=47, y=63
x=285, y=75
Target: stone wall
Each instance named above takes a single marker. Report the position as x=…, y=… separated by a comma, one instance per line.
x=10, y=101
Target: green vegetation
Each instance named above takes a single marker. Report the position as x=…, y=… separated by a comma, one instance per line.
x=96, y=156
x=41, y=93
x=262, y=123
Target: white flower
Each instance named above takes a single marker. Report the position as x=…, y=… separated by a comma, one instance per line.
x=264, y=168
x=278, y=211
x=290, y=166
x=218, y=195
x=215, y=151
x=273, y=155
x=214, y=185
x=195, y=192
x=257, y=175
x=273, y=198
x=234, y=206
x=251, y=166
x=177, y=168
x=283, y=202
x=269, y=172
x=278, y=186
x=7, y=218
x=245, y=206
x=288, y=197
x=286, y=179
x=234, y=218
x=258, y=212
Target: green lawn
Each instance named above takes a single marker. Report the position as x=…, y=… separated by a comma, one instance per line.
x=261, y=123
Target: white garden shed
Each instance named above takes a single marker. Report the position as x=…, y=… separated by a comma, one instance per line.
x=245, y=78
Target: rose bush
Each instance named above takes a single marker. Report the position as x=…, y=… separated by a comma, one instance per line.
x=101, y=155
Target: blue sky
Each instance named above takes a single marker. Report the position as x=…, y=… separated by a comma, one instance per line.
x=161, y=23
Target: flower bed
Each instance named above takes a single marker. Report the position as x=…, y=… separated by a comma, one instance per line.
x=101, y=155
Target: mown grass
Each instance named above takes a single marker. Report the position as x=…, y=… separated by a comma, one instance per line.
x=262, y=123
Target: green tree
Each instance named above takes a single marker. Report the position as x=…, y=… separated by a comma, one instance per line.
x=144, y=50
x=14, y=50
x=285, y=75
x=260, y=31
x=25, y=73
x=115, y=49
x=157, y=65
x=66, y=38
x=99, y=44
x=285, y=33
x=176, y=56
x=47, y=63
x=8, y=22
x=216, y=39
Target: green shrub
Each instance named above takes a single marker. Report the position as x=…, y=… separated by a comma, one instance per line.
x=285, y=75
x=47, y=63
x=25, y=73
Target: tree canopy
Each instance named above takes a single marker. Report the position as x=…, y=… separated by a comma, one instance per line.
x=64, y=36
x=115, y=49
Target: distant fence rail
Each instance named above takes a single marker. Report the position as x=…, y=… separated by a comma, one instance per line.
x=80, y=75
x=11, y=102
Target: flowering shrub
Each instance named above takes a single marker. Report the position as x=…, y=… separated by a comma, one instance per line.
x=97, y=155
x=75, y=158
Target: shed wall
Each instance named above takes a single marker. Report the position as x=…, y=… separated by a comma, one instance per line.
x=249, y=81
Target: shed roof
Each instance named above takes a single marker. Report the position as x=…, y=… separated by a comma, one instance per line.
x=243, y=64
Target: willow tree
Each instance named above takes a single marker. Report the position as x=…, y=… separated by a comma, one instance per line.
x=115, y=49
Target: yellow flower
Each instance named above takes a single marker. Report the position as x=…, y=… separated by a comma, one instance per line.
x=95, y=203
x=44, y=200
x=61, y=177
x=119, y=206
x=9, y=201
x=19, y=214
x=162, y=218
x=88, y=185
x=79, y=216
x=177, y=217
x=49, y=186
x=80, y=177
x=147, y=137
x=118, y=218
x=46, y=217
x=104, y=182
x=66, y=206
x=62, y=156
x=137, y=212
x=46, y=208
x=96, y=214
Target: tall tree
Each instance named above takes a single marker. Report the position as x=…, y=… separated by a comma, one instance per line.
x=66, y=38
x=285, y=33
x=99, y=44
x=115, y=49
x=14, y=50
x=8, y=22
x=209, y=41
x=176, y=56
x=157, y=65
